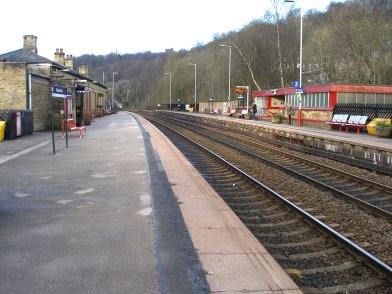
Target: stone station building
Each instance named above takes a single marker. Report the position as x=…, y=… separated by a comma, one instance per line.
x=26, y=81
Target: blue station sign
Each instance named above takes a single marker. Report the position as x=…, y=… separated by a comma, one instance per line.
x=295, y=84
x=59, y=92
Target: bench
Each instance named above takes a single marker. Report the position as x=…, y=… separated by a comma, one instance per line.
x=339, y=120
x=243, y=113
x=231, y=112
x=356, y=121
x=71, y=126
x=215, y=111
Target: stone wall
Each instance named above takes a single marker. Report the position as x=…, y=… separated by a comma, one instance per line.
x=13, y=86
x=40, y=94
x=14, y=93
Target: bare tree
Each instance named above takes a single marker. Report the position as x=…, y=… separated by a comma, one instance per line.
x=248, y=65
x=276, y=4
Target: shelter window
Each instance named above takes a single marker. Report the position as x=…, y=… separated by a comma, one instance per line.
x=314, y=100
x=388, y=98
x=292, y=99
x=366, y=98
x=361, y=98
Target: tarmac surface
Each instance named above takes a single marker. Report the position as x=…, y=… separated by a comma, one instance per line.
x=88, y=219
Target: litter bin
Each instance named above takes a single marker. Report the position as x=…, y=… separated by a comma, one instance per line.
x=371, y=127
x=2, y=130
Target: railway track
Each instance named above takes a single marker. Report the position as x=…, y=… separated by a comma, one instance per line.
x=249, y=133
x=316, y=256
x=370, y=195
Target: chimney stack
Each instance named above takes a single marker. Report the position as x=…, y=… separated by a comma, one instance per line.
x=59, y=56
x=69, y=62
x=83, y=70
x=30, y=43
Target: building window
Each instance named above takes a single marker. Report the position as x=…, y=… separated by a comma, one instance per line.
x=311, y=100
x=362, y=98
x=365, y=98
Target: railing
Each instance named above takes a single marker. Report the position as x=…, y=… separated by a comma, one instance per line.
x=370, y=110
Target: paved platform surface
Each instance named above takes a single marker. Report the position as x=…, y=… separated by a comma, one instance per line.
x=85, y=221
x=120, y=211
x=362, y=139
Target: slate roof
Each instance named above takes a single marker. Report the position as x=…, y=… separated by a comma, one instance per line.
x=23, y=55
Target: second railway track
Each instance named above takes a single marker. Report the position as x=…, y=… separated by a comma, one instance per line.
x=374, y=196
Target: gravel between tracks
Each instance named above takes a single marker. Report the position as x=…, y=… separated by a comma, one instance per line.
x=372, y=233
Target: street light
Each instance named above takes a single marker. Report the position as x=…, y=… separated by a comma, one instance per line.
x=194, y=64
x=229, y=68
x=170, y=85
x=114, y=73
x=300, y=65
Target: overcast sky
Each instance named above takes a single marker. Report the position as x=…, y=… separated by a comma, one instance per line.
x=102, y=27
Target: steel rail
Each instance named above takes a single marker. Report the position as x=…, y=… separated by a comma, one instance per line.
x=363, y=204
x=335, y=157
x=373, y=262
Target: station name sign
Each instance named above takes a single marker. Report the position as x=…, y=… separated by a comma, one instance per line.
x=59, y=92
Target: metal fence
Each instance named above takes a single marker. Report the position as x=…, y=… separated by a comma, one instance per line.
x=370, y=110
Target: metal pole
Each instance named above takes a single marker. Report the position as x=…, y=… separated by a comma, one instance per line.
x=300, y=72
x=247, y=98
x=194, y=64
x=229, y=73
x=51, y=123
x=66, y=122
x=170, y=89
x=114, y=73
x=111, y=106
x=300, y=51
x=195, y=87
x=300, y=67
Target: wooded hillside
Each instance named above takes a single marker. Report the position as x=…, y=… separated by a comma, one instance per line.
x=349, y=43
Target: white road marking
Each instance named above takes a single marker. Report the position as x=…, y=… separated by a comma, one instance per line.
x=85, y=191
x=139, y=172
x=64, y=201
x=101, y=176
x=21, y=195
x=145, y=199
x=9, y=157
x=145, y=211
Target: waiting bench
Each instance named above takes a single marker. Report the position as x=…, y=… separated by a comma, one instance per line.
x=215, y=111
x=243, y=113
x=71, y=126
x=231, y=112
x=338, y=120
x=356, y=121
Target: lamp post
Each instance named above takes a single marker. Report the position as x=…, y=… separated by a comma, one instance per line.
x=223, y=45
x=114, y=73
x=300, y=66
x=194, y=64
x=170, y=85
